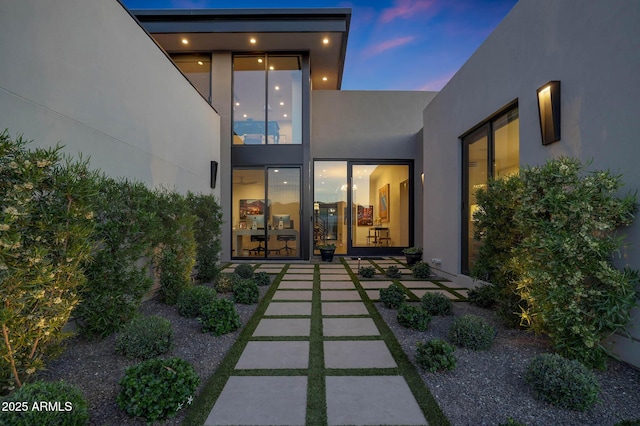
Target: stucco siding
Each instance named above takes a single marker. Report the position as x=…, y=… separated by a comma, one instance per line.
x=84, y=74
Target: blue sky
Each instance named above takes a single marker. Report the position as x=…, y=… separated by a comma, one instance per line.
x=393, y=44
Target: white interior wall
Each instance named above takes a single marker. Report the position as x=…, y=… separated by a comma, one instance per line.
x=84, y=74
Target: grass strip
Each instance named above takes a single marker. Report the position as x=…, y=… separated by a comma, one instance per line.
x=316, y=383
x=426, y=401
x=204, y=401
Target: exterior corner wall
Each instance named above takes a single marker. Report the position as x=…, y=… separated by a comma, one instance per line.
x=592, y=48
x=83, y=73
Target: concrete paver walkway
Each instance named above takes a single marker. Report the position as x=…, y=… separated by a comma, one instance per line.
x=317, y=334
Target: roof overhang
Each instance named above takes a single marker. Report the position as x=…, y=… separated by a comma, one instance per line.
x=275, y=30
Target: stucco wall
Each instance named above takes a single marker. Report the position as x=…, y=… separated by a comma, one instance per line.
x=593, y=48
x=83, y=73
x=371, y=125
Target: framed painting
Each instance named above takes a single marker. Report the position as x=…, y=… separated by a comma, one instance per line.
x=365, y=215
x=251, y=207
x=383, y=203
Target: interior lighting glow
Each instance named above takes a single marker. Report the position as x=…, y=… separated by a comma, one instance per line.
x=200, y=63
x=324, y=78
x=252, y=41
x=260, y=60
x=277, y=87
x=185, y=41
x=325, y=40
x=281, y=103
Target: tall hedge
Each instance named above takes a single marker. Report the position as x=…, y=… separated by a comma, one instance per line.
x=207, y=229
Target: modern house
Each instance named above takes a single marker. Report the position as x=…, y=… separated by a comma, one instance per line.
x=247, y=105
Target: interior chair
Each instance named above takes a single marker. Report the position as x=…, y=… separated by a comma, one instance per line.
x=286, y=238
x=260, y=239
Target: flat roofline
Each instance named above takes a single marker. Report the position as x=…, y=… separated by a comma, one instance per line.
x=243, y=13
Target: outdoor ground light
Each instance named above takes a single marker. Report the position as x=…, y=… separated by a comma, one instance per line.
x=549, y=111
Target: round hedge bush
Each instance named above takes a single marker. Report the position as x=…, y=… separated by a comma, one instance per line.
x=244, y=270
x=246, y=292
x=421, y=270
x=562, y=382
x=157, y=389
x=413, y=317
x=436, y=355
x=262, y=278
x=145, y=337
x=393, y=272
x=392, y=296
x=473, y=332
x=367, y=271
x=193, y=299
x=436, y=304
x=225, y=282
x=72, y=411
x=220, y=317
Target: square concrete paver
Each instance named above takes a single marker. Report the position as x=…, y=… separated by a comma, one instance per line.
x=269, y=270
x=373, y=294
x=270, y=355
x=344, y=308
x=451, y=284
x=358, y=354
x=292, y=295
x=300, y=271
x=421, y=292
x=261, y=401
x=419, y=284
x=304, y=285
x=373, y=400
x=375, y=284
x=283, y=327
x=337, y=285
x=339, y=295
x=297, y=277
x=349, y=327
x=288, y=308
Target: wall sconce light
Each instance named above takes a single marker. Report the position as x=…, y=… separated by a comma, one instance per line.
x=549, y=111
x=214, y=173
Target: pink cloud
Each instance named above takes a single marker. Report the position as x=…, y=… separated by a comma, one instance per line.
x=405, y=9
x=376, y=49
x=437, y=83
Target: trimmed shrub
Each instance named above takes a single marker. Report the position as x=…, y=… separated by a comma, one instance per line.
x=244, y=270
x=562, y=382
x=436, y=355
x=436, y=304
x=392, y=296
x=145, y=337
x=421, y=270
x=246, y=292
x=484, y=296
x=157, y=389
x=226, y=282
x=262, y=278
x=393, y=272
x=220, y=317
x=473, y=332
x=193, y=299
x=367, y=271
x=74, y=410
x=207, y=230
x=413, y=317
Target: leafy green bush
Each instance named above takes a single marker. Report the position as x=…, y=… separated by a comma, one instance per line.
x=473, y=332
x=145, y=337
x=413, y=317
x=392, y=296
x=72, y=411
x=220, y=317
x=262, y=278
x=46, y=222
x=421, y=270
x=436, y=355
x=367, y=272
x=157, y=389
x=436, y=304
x=484, y=296
x=549, y=236
x=207, y=231
x=246, y=292
x=244, y=270
x=226, y=282
x=393, y=272
x=562, y=382
x=193, y=299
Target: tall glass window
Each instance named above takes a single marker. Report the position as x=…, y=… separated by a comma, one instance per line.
x=330, y=204
x=490, y=152
x=267, y=99
x=197, y=68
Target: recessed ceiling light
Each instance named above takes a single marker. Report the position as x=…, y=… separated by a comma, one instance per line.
x=276, y=170
x=281, y=103
x=285, y=115
x=325, y=40
x=237, y=103
x=324, y=170
x=277, y=87
x=260, y=60
x=244, y=115
x=185, y=41
x=271, y=67
x=285, y=182
x=252, y=41
x=200, y=63
x=324, y=78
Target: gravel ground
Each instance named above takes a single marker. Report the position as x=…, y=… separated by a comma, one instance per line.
x=487, y=387
x=96, y=368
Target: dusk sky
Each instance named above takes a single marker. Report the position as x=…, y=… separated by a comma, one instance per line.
x=393, y=44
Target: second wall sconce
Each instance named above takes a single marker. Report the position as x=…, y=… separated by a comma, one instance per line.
x=549, y=111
